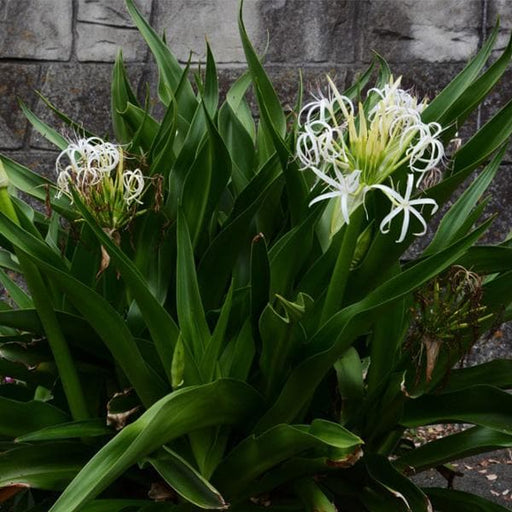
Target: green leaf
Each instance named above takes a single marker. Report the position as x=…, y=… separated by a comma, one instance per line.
x=222, y=402
x=449, y=500
x=168, y=67
x=217, y=263
x=487, y=259
x=450, y=94
x=382, y=472
x=257, y=454
x=186, y=480
x=480, y=404
x=18, y=418
x=472, y=441
x=496, y=373
x=265, y=93
x=454, y=220
x=192, y=319
x=36, y=186
x=162, y=327
x=142, y=125
x=329, y=343
x=211, y=85
x=15, y=292
x=46, y=131
x=47, y=466
x=121, y=95
x=312, y=497
x=81, y=429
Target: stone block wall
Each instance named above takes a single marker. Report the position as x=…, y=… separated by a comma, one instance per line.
x=66, y=49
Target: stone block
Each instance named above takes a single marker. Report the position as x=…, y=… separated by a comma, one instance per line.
x=101, y=43
x=17, y=81
x=36, y=30
x=309, y=30
x=110, y=12
x=431, y=30
x=187, y=23
x=501, y=9
x=81, y=92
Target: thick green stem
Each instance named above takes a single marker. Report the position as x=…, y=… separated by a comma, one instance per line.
x=338, y=282
x=42, y=302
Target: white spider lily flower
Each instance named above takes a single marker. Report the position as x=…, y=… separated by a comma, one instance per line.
x=353, y=151
x=95, y=170
x=407, y=206
x=344, y=187
x=133, y=183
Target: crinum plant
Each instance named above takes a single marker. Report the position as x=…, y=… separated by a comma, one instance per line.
x=217, y=312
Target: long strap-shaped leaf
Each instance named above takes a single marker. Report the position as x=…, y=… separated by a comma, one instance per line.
x=256, y=455
x=457, y=446
x=337, y=334
x=106, y=321
x=162, y=327
x=481, y=405
x=168, y=67
x=225, y=402
x=450, y=94
x=449, y=500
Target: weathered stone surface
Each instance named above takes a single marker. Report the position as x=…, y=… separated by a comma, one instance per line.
x=110, y=12
x=431, y=30
x=16, y=81
x=36, y=30
x=101, y=43
x=309, y=30
x=188, y=22
x=83, y=93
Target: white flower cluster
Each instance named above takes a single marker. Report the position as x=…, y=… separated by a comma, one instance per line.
x=352, y=153
x=88, y=163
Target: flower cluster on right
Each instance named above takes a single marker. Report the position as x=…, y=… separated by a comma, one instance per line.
x=353, y=151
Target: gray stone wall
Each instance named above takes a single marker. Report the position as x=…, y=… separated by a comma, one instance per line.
x=65, y=49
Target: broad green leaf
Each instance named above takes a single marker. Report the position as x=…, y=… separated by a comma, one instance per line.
x=222, y=402
x=74, y=328
x=121, y=95
x=382, y=472
x=142, y=125
x=107, y=322
x=186, y=480
x=18, y=418
x=36, y=186
x=260, y=279
x=265, y=93
x=450, y=500
x=456, y=446
x=77, y=127
x=477, y=91
x=482, y=405
x=329, y=343
x=450, y=94
x=127, y=505
x=487, y=259
x=81, y=429
x=211, y=85
x=46, y=131
x=496, y=373
x=312, y=497
x=15, y=292
x=46, y=466
x=217, y=263
x=257, y=454
x=168, y=67
x=452, y=222
x=162, y=327
x=192, y=320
